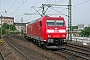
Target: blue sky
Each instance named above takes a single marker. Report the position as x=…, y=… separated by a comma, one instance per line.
x=17, y=8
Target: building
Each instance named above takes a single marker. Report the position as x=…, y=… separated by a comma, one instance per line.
x=80, y=26
x=8, y=20
x=21, y=27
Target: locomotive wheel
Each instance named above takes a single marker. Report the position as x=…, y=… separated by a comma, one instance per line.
x=39, y=43
x=45, y=46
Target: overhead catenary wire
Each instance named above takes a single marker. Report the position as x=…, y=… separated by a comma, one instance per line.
x=39, y=1
x=66, y=8
x=44, y=2
x=81, y=3
x=45, y=11
x=73, y=6
x=34, y=4
x=19, y=6
x=61, y=1
x=12, y=5
x=59, y=12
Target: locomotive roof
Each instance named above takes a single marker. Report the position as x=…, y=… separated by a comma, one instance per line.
x=43, y=17
x=34, y=21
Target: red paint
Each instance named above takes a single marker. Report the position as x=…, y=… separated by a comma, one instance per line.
x=34, y=29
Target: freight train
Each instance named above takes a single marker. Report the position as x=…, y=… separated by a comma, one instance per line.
x=47, y=31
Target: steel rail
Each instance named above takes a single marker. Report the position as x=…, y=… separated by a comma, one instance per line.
x=63, y=56
x=2, y=56
x=79, y=47
x=20, y=51
x=25, y=47
x=74, y=54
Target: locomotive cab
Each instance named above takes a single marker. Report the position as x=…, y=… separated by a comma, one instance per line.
x=55, y=32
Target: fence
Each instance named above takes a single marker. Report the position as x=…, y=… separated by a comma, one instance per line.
x=83, y=40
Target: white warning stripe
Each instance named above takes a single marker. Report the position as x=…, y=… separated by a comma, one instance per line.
x=62, y=31
x=50, y=31
x=53, y=31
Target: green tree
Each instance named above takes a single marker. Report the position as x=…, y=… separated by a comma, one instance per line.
x=12, y=27
x=3, y=31
x=74, y=27
x=5, y=25
x=6, y=28
x=85, y=32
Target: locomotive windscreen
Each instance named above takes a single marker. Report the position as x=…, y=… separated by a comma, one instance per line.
x=55, y=23
x=59, y=23
x=50, y=22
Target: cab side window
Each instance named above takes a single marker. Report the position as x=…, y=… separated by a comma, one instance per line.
x=40, y=23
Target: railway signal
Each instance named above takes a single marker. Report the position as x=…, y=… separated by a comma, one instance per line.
x=1, y=41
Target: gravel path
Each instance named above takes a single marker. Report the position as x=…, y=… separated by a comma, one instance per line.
x=10, y=53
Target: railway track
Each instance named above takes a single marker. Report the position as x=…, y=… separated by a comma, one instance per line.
x=1, y=56
x=78, y=51
x=28, y=53
x=74, y=52
x=61, y=55
x=71, y=52
x=64, y=55
x=79, y=46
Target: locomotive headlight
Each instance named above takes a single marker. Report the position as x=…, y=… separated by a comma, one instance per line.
x=44, y=40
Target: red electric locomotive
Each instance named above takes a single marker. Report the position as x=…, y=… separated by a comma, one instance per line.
x=48, y=31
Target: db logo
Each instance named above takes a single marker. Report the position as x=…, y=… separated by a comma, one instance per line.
x=56, y=31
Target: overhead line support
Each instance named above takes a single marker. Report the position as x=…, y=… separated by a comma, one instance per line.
x=69, y=16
